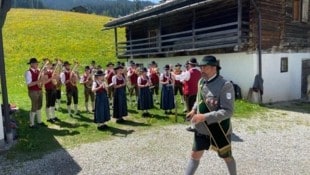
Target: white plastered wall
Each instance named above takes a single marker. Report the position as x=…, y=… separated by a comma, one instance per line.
x=286, y=85
x=241, y=68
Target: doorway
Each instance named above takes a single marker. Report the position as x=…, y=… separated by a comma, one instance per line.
x=305, y=72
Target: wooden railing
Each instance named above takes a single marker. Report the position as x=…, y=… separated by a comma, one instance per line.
x=220, y=36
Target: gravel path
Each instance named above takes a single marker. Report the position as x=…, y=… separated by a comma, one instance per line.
x=273, y=144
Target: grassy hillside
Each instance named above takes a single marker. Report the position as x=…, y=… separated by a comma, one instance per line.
x=53, y=34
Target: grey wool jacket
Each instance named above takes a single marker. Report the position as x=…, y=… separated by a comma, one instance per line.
x=218, y=96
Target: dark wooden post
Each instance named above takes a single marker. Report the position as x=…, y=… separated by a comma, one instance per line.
x=239, y=23
x=5, y=7
x=115, y=39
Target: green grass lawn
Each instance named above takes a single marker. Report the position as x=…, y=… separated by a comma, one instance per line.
x=69, y=36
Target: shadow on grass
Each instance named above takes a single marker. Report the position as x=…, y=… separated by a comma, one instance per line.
x=161, y=117
x=64, y=124
x=83, y=118
x=119, y=132
x=133, y=123
x=34, y=143
x=132, y=111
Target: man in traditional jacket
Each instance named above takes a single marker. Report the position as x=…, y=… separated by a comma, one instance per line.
x=212, y=112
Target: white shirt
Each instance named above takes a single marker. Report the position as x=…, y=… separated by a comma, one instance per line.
x=28, y=76
x=62, y=77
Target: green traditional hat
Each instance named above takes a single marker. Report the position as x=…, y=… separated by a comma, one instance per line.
x=209, y=61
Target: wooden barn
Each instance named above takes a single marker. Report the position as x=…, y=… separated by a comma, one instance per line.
x=266, y=38
x=79, y=9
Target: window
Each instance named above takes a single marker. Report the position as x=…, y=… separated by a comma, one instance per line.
x=301, y=10
x=284, y=64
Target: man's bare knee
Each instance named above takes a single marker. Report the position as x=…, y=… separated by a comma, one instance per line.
x=196, y=155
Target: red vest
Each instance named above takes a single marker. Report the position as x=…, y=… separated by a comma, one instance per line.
x=34, y=77
x=154, y=77
x=133, y=77
x=49, y=85
x=190, y=87
x=109, y=78
x=67, y=77
x=86, y=78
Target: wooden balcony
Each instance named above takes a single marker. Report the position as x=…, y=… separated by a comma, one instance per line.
x=215, y=37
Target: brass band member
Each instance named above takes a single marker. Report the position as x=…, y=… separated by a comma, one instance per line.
x=69, y=78
x=214, y=106
x=109, y=73
x=178, y=86
x=190, y=83
x=87, y=81
x=93, y=67
x=132, y=76
x=34, y=82
x=154, y=76
x=57, y=71
x=167, y=95
x=50, y=93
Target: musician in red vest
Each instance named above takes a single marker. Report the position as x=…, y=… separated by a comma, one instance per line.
x=34, y=83
x=69, y=78
x=211, y=116
x=109, y=73
x=132, y=76
x=87, y=81
x=154, y=73
x=190, y=83
x=50, y=83
x=178, y=86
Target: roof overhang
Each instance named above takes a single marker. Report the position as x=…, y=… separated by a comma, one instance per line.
x=157, y=11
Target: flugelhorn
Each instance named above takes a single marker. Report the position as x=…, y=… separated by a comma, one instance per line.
x=42, y=69
x=73, y=76
x=56, y=71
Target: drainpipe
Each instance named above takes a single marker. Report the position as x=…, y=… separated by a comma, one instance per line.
x=259, y=42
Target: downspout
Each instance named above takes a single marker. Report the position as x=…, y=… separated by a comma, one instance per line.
x=259, y=44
